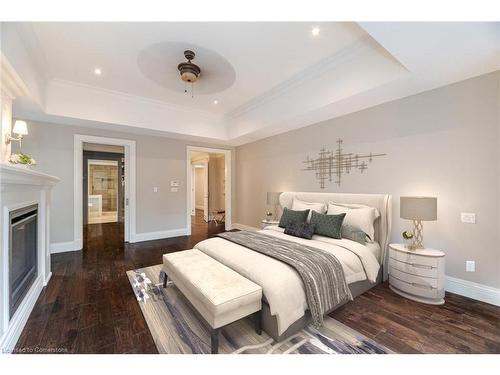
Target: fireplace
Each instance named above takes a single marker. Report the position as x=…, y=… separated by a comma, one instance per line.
x=23, y=258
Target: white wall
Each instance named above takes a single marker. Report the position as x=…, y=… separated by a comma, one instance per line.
x=159, y=160
x=442, y=143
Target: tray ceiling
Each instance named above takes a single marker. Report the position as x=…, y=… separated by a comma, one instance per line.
x=258, y=79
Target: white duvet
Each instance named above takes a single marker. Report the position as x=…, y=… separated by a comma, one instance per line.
x=281, y=284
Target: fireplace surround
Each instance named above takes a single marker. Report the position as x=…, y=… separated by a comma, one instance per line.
x=24, y=246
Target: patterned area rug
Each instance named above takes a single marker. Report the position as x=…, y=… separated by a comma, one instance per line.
x=177, y=329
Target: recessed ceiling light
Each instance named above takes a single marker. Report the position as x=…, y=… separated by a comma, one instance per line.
x=216, y=102
x=97, y=71
x=315, y=31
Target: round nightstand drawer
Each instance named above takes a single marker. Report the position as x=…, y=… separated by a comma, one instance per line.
x=413, y=288
x=414, y=268
x=413, y=259
x=424, y=282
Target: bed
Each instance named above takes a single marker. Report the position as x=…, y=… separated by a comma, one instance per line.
x=285, y=310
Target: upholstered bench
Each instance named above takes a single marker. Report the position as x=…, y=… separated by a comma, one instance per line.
x=219, y=294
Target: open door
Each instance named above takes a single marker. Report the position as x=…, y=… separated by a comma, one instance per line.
x=206, y=212
x=193, y=190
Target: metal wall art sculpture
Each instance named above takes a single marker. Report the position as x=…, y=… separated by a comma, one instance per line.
x=331, y=165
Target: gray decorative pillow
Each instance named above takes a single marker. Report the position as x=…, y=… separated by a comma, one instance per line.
x=302, y=230
x=353, y=233
x=290, y=216
x=327, y=225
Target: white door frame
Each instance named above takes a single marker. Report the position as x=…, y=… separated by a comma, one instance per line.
x=130, y=184
x=227, y=175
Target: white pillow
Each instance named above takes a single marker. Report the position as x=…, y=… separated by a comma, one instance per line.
x=357, y=215
x=299, y=205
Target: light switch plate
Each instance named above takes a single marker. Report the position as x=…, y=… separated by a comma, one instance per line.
x=468, y=218
x=174, y=189
x=155, y=189
x=470, y=266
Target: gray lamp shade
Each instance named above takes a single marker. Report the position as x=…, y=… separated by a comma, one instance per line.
x=418, y=208
x=273, y=198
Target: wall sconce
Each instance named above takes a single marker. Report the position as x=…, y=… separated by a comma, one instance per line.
x=21, y=129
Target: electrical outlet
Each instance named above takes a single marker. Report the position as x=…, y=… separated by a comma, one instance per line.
x=468, y=218
x=470, y=266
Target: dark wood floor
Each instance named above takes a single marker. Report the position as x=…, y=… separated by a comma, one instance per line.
x=461, y=325
x=89, y=306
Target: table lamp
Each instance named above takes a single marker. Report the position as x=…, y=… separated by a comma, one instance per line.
x=273, y=200
x=418, y=209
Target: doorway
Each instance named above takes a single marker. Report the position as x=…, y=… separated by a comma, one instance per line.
x=209, y=195
x=104, y=185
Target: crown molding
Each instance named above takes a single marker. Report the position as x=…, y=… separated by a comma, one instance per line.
x=135, y=98
x=330, y=63
x=34, y=49
x=12, y=86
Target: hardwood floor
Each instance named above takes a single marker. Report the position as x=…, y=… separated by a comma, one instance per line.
x=89, y=307
x=461, y=325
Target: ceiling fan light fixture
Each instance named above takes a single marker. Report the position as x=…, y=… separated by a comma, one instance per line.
x=189, y=72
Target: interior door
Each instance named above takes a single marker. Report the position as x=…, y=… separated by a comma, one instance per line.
x=206, y=215
x=193, y=191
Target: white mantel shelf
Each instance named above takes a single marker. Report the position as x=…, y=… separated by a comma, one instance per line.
x=15, y=175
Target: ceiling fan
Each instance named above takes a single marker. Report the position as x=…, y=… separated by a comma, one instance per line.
x=189, y=72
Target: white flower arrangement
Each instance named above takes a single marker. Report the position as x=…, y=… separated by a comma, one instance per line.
x=22, y=158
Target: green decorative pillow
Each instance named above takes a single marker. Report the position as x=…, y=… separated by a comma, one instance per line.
x=290, y=216
x=353, y=233
x=327, y=225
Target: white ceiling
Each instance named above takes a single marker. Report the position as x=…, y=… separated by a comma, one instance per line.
x=262, y=55
x=267, y=77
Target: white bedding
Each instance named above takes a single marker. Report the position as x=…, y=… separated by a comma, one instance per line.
x=280, y=283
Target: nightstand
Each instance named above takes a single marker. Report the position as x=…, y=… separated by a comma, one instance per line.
x=265, y=223
x=417, y=274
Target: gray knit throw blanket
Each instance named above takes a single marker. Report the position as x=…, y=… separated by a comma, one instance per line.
x=321, y=272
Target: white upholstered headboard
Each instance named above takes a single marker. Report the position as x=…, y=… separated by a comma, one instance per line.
x=383, y=202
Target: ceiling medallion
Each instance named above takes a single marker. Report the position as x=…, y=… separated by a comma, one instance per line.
x=189, y=72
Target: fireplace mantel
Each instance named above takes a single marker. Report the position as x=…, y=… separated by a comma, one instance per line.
x=21, y=187
x=12, y=176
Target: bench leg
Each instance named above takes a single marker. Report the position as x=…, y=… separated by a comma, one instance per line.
x=165, y=279
x=215, y=340
x=258, y=322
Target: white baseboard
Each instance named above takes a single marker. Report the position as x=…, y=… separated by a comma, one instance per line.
x=47, y=279
x=18, y=321
x=150, y=236
x=473, y=290
x=244, y=227
x=62, y=247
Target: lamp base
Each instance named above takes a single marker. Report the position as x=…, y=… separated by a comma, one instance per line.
x=418, y=236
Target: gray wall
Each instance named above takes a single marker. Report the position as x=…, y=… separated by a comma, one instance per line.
x=159, y=160
x=442, y=143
